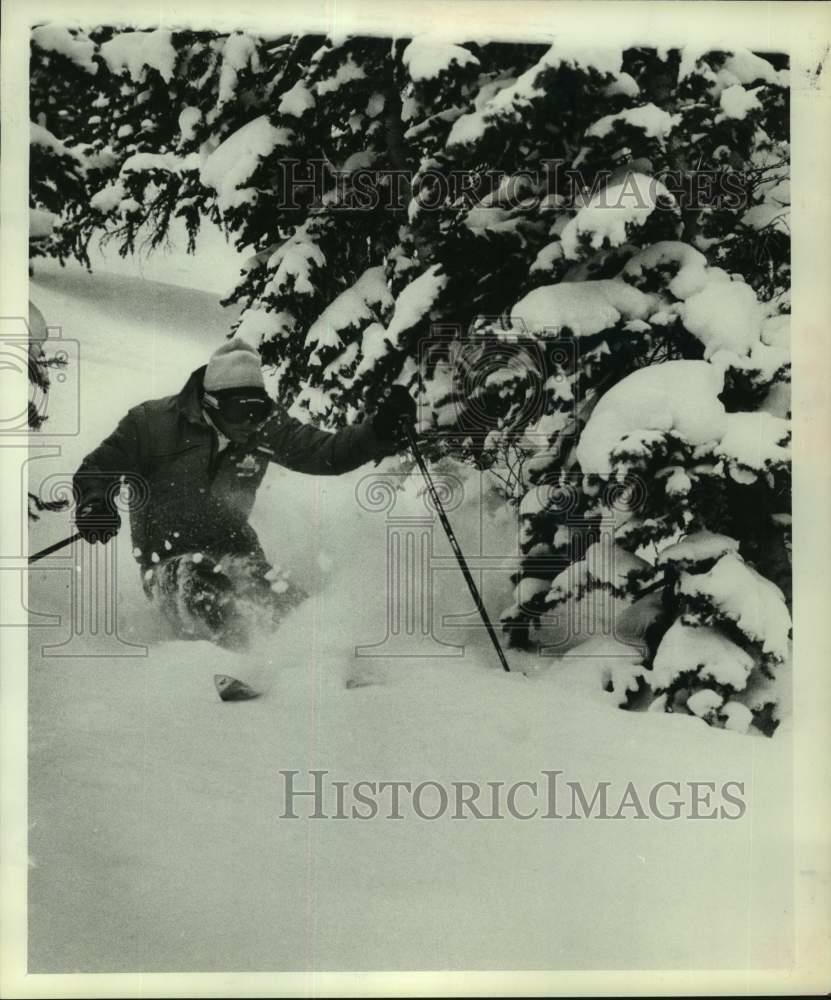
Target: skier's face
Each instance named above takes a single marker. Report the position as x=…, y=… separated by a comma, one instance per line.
x=239, y=414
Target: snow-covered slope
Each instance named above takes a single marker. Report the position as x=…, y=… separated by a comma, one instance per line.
x=212, y=268
x=157, y=841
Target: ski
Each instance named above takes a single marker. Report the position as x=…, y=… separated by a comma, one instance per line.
x=361, y=682
x=231, y=689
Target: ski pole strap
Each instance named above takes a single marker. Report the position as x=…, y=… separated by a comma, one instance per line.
x=54, y=548
x=457, y=551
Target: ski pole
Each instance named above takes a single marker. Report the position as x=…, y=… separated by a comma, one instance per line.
x=454, y=544
x=54, y=548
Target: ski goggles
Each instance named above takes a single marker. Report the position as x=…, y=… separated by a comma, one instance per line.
x=240, y=407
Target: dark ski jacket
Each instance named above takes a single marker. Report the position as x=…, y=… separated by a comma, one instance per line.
x=186, y=495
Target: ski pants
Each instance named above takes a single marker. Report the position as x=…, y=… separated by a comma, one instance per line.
x=221, y=598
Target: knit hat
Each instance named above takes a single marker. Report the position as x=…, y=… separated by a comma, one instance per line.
x=235, y=365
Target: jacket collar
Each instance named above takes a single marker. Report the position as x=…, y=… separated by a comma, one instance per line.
x=189, y=400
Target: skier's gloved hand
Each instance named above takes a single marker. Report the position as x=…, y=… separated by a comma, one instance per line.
x=395, y=415
x=97, y=521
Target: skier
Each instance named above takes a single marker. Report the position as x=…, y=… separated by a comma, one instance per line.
x=200, y=457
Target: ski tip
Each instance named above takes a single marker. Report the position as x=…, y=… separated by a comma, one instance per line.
x=231, y=689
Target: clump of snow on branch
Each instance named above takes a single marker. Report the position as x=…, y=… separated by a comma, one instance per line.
x=508, y=101
x=583, y=307
x=724, y=315
x=678, y=396
x=296, y=101
x=292, y=264
x=755, y=441
x=689, y=649
x=689, y=265
x=238, y=53
x=414, y=302
x=426, y=57
x=134, y=52
x=755, y=604
x=610, y=212
x=653, y=121
x=697, y=547
x=57, y=38
x=229, y=167
x=736, y=101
